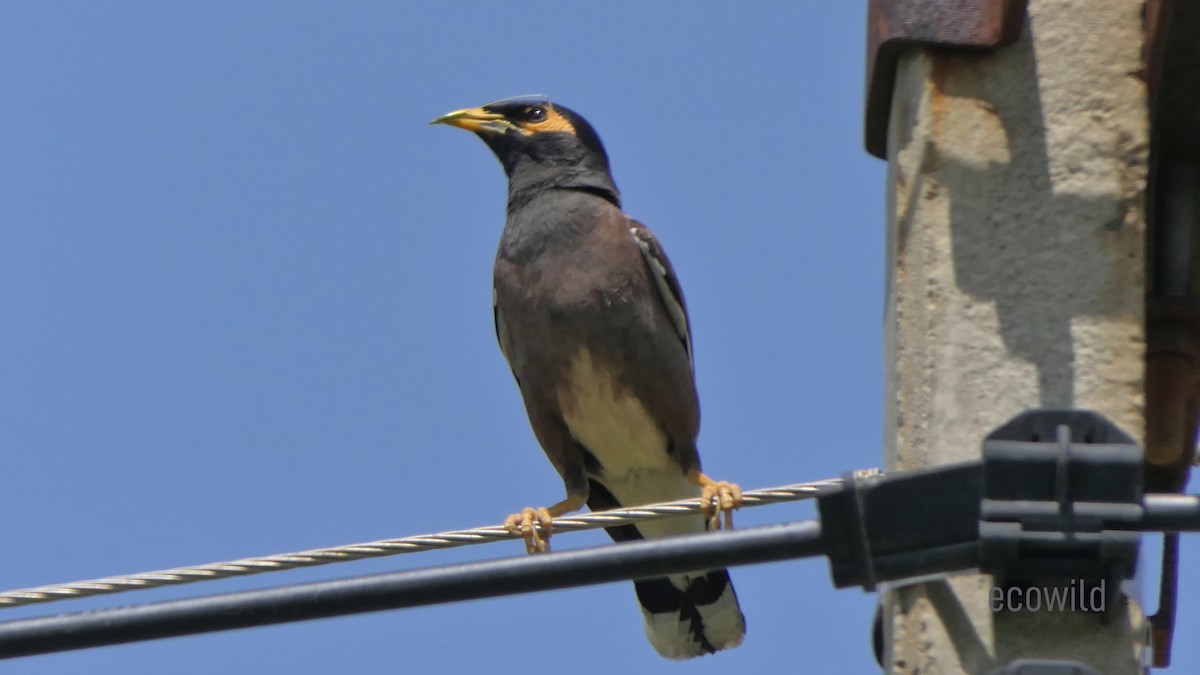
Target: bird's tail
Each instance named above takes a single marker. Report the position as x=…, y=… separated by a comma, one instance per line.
x=685, y=615
x=690, y=615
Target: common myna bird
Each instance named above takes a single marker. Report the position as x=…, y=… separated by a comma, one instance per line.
x=592, y=321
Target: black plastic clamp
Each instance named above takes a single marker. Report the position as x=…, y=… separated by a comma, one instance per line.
x=1062, y=498
x=1058, y=495
x=884, y=527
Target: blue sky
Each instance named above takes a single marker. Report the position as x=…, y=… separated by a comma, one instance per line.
x=247, y=295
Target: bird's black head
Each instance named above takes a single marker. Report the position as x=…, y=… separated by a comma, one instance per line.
x=541, y=145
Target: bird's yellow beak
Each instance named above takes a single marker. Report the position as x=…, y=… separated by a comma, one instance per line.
x=476, y=120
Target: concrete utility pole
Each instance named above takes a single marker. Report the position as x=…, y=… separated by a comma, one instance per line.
x=1017, y=240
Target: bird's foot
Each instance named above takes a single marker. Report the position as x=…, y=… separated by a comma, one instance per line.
x=717, y=497
x=533, y=525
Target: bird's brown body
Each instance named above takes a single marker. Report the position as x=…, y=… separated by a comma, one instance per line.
x=607, y=285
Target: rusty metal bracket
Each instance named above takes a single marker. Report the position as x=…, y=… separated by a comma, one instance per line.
x=894, y=25
x=1172, y=70
x=1156, y=21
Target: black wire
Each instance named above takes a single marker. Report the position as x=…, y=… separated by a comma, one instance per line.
x=509, y=576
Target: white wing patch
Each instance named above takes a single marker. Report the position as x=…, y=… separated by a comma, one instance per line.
x=675, y=309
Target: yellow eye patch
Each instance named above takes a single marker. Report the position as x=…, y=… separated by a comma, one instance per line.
x=554, y=122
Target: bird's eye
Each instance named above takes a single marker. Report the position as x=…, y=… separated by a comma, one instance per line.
x=536, y=114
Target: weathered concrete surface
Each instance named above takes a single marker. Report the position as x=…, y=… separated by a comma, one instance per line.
x=1017, y=239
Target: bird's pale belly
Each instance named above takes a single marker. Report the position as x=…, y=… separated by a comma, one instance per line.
x=630, y=447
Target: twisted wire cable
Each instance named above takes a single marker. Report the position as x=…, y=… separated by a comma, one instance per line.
x=386, y=547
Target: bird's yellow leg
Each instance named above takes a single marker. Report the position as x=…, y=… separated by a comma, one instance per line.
x=534, y=525
x=717, y=497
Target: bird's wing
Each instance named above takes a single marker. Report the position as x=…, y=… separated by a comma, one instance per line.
x=502, y=333
x=664, y=280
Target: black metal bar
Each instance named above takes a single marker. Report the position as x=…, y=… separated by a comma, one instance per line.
x=1171, y=513
x=509, y=576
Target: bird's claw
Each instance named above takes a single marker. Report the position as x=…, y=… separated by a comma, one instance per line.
x=532, y=525
x=717, y=497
